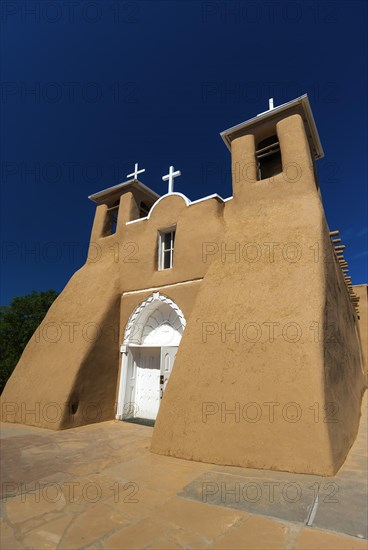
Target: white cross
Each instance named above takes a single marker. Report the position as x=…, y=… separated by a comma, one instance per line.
x=270, y=107
x=170, y=176
x=136, y=171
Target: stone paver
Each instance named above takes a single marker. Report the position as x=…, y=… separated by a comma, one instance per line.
x=99, y=487
x=146, y=532
x=288, y=496
x=49, y=535
x=343, y=499
x=209, y=521
x=256, y=533
x=311, y=539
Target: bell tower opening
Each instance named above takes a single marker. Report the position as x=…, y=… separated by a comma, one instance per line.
x=268, y=157
x=111, y=219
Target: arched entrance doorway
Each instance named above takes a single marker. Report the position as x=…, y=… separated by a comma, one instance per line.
x=151, y=340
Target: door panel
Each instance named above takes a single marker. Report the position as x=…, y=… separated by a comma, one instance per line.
x=148, y=372
x=147, y=396
x=168, y=354
x=129, y=408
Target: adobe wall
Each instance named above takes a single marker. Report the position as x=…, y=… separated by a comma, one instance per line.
x=67, y=375
x=262, y=388
x=344, y=373
x=362, y=292
x=255, y=358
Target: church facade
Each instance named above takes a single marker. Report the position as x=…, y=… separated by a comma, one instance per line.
x=230, y=323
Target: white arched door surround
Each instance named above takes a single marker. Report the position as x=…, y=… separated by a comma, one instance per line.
x=151, y=340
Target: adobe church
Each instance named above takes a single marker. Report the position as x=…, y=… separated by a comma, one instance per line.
x=232, y=323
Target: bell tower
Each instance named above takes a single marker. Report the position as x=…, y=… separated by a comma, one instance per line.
x=276, y=221
x=280, y=145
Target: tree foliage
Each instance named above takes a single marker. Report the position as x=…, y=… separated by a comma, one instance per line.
x=18, y=321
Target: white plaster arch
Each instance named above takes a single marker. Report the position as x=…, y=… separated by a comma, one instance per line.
x=151, y=339
x=156, y=321
x=186, y=200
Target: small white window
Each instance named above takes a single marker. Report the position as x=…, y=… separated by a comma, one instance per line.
x=166, y=240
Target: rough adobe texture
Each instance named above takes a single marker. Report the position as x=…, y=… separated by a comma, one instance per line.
x=258, y=381
x=67, y=375
x=225, y=372
x=362, y=292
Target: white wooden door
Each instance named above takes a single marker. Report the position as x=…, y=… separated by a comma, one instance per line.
x=168, y=354
x=147, y=395
x=129, y=408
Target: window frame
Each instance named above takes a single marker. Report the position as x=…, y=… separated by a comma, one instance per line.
x=162, y=250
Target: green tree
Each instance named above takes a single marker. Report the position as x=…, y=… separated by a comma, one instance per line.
x=18, y=321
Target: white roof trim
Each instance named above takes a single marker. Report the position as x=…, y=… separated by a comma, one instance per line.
x=188, y=202
x=137, y=220
x=214, y=196
x=302, y=100
x=97, y=196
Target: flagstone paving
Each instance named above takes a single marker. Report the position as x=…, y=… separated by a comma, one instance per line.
x=100, y=487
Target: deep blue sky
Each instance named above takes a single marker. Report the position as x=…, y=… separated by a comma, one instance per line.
x=155, y=82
